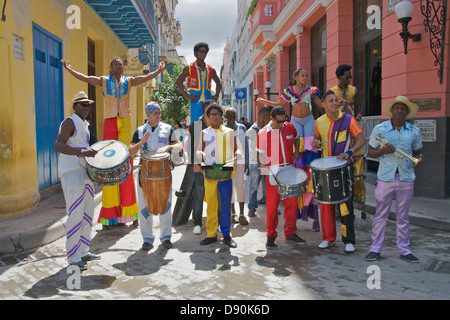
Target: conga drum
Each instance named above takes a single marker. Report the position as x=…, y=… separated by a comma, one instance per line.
x=111, y=166
x=155, y=179
x=332, y=180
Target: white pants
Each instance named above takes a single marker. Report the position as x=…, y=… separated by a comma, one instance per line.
x=238, y=184
x=146, y=219
x=79, y=196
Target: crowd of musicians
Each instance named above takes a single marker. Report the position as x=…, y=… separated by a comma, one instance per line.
x=220, y=152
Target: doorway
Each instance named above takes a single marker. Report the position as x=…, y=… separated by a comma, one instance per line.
x=49, y=104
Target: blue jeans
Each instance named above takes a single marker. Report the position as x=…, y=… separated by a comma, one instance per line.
x=255, y=179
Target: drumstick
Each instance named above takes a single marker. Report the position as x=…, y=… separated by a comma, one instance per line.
x=108, y=144
x=274, y=165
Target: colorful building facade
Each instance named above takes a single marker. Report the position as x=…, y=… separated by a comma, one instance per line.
x=37, y=92
x=319, y=35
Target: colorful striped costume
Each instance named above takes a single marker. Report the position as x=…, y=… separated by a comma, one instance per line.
x=327, y=129
x=199, y=85
x=358, y=158
x=119, y=203
x=78, y=191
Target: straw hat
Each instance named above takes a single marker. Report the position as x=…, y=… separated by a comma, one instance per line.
x=81, y=97
x=413, y=108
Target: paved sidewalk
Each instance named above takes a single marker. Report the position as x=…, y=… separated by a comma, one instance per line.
x=46, y=223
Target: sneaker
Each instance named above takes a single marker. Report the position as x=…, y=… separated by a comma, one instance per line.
x=197, y=230
x=90, y=257
x=167, y=244
x=80, y=264
x=147, y=246
x=251, y=213
x=234, y=219
x=372, y=256
x=297, y=239
x=326, y=244
x=242, y=220
x=349, y=248
x=270, y=244
x=229, y=242
x=410, y=258
x=208, y=241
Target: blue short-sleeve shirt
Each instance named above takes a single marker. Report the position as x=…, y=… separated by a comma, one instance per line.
x=407, y=139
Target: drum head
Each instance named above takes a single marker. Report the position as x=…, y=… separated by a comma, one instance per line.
x=328, y=163
x=114, y=154
x=155, y=157
x=292, y=176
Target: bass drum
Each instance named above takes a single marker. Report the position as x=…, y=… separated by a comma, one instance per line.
x=332, y=180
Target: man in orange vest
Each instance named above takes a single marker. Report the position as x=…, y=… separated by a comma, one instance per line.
x=199, y=75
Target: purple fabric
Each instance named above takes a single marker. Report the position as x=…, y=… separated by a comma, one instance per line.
x=384, y=194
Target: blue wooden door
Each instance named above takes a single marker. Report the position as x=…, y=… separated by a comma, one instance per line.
x=49, y=105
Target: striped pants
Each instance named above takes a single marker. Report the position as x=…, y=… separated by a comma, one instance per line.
x=79, y=196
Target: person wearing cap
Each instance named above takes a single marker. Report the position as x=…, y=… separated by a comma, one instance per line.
x=118, y=202
x=154, y=137
x=395, y=177
x=72, y=143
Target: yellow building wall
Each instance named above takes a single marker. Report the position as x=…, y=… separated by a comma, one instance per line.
x=18, y=161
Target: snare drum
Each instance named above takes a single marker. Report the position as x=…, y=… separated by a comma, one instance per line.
x=332, y=180
x=291, y=183
x=155, y=179
x=111, y=165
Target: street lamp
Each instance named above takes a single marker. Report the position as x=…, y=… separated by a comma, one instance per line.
x=255, y=93
x=268, y=86
x=404, y=10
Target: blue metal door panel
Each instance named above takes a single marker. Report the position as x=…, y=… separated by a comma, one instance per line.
x=48, y=103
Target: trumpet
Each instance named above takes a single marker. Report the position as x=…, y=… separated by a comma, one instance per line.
x=399, y=153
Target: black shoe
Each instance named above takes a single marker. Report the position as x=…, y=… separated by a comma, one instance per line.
x=90, y=257
x=81, y=265
x=297, y=239
x=251, y=213
x=372, y=256
x=167, y=244
x=208, y=241
x=410, y=258
x=229, y=242
x=180, y=193
x=147, y=246
x=270, y=244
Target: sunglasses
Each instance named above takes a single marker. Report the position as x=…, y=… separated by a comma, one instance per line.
x=280, y=121
x=214, y=115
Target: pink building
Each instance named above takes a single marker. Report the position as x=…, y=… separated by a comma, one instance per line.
x=319, y=35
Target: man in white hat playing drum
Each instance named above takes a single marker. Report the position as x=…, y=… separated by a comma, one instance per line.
x=395, y=173
x=72, y=143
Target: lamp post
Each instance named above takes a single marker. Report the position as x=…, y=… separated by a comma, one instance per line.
x=255, y=94
x=404, y=10
x=268, y=86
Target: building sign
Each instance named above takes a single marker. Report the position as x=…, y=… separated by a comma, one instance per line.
x=241, y=93
x=18, y=47
x=432, y=104
x=427, y=129
x=391, y=4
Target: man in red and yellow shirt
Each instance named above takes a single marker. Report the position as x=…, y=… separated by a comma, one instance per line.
x=332, y=124
x=279, y=141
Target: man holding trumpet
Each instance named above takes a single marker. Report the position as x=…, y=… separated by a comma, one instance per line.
x=398, y=145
